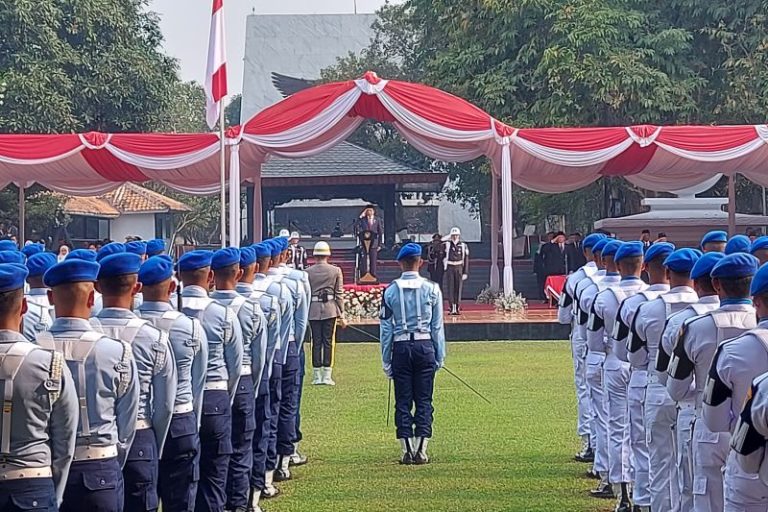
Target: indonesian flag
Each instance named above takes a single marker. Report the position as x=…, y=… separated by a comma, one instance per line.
x=216, y=72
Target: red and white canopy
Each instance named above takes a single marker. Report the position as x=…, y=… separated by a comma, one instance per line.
x=439, y=124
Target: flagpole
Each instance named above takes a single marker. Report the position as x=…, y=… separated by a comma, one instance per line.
x=223, y=171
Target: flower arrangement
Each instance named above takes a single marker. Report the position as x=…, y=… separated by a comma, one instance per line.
x=362, y=303
x=511, y=303
x=488, y=295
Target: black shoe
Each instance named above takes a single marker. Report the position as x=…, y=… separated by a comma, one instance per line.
x=420, y=459
x=281, y=476
x=587, y=455
x=407, y=459
x=624, y=506
x=594, y=475
x=268, y=494
x=602, y=491
x=298, y=459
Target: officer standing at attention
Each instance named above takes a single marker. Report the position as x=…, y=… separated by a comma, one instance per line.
x=412, y=350
x=737, y=362
x=36, y=319
x=38, y=264
x=137, y=247
x=107, y=385
x=118, y=283
x=714, y=241
x=691, y=360
x=750, y=437
x=738, y=243
x=179, y=461
x=107, y=250
x=567, y=315
x=325, y=309
x=155, y=247
x=297, y=255
x=628, y=257
x=660, y=411
x=456, y=266
x=226, y=273
x=225, y=359
x=759, y=249
x=41, y=407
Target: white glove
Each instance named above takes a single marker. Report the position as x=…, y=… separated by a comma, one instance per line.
x=464, y=277
x=387, y=370
x=440, y=364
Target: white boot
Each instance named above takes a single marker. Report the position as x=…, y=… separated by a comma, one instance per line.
x=283, y=472
x=297, y=458
x=270, y=491
x=420, y=451
x=317, y=376
x=253, y=505
x=407, y=457
x=327, y=380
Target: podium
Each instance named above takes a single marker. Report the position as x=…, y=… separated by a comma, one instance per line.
x=368, y=257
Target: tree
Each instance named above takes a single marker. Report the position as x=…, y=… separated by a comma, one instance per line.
x=232, y=111
x=186, y=114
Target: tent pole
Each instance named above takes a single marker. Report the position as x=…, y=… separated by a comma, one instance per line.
x=257, y=209
x=732, y=205
x=494, y=278
x=22, y=217
x=222, y=172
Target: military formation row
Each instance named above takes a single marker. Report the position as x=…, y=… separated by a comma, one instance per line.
x=671, y=373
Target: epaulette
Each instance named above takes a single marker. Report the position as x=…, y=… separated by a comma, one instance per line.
x=53, y=384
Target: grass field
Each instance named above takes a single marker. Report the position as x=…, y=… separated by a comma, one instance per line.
x=514, y=455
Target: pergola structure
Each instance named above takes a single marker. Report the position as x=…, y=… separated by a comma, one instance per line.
x=438, y=124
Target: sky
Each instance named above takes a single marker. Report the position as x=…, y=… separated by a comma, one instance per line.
x=186, y=30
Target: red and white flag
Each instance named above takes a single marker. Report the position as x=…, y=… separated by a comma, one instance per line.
x=216, y=73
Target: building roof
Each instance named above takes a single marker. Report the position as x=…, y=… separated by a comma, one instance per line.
x=126, y=199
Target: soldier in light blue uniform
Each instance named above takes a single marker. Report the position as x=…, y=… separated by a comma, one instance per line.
x=179, y=462
x=225, y=358
x=38, y=316
x=226, y=272
x=714, y=241
x=107, y=250
x=107, y=386
x=412, y=350
x=138, y=247
x=118, y=283
x=40, y=406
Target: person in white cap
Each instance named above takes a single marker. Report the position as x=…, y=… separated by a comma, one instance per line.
x=284, y=233
x=456, y=265
x=297, y=255
x=325, y=310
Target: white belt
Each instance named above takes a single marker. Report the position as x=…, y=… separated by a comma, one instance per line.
x=143, y=424
x=6, y=473
x=245, y=370
x=328, y=298
x=220, y=385
x=456, y=263
x=686, y=406
x=183, y=408
x=653, y=378
x=95, y=452
x=415, y=336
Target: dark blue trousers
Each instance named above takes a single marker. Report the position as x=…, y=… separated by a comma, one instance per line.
x=28, y=494
x=241, y=461
x=215, y=451
x=263, y=416
x=94, y=485
x=140, y=473
x=275, y=397
x=179, y=466
x=413, y=373
x=302, y=373
x=289, y=404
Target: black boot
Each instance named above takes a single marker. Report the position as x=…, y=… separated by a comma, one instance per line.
x=624, y=504
x=603, y=489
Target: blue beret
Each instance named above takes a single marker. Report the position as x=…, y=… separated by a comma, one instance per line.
x=136, y=247
x=12, y=276
x=682, y=260
x=194, y=260
x=225, y=258
x=71, y=271
x=12, y=257
x=734, y=266
x=8, y=245
x=82, y=254
x=262, y=250
x=758, y=244
x=706, y=263
x=408, y=251
x=156, y=270
x=592, y=239
x=714, y=236
x=247, y=256
x=38, y=263
x=31, y=249
x=611, y=248
x=628, y=250
x=600, y=244
x=759, y=284
x=275, y=247
x=110, y=248
x=738, y=243
x=119, y=265
x=659, y=249
x=155, y=247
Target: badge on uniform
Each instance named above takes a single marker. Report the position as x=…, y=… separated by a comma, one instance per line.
x=385, y=312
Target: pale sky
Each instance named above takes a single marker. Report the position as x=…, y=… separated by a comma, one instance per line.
x=185, y=25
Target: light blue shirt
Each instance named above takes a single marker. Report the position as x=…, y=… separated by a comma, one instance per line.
x=302, y=298
x=38, y=296
x=98, y=303
x=280, y=291
x=156, y=369
x=271, y=310
x=37, y=319
x=403, y=318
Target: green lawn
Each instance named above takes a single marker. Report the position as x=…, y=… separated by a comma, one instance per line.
x=514, y=455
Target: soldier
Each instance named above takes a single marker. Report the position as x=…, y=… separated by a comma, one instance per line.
x=179, y=461
x=683, y=423
x=106, y=250
x=37, y=317
x=691, y=360
x=738, y=243
x=40, y=406
x=750, y=437
x=105, y=377
x=297, y=255
x=714, y=241
x=82, y=254
x=155, y=247
x=325, y=309
x=759, y=249
x=737, y=362
x=659, y=409
x=118, y=284
x=138, y=247
x=413, y=349
x=566, y=310
x=456, y=266
x=226, y=273
x=38, y=264
x=225, y=359
x=653, y=265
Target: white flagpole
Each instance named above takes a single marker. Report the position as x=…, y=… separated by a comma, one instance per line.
x=223, y=172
